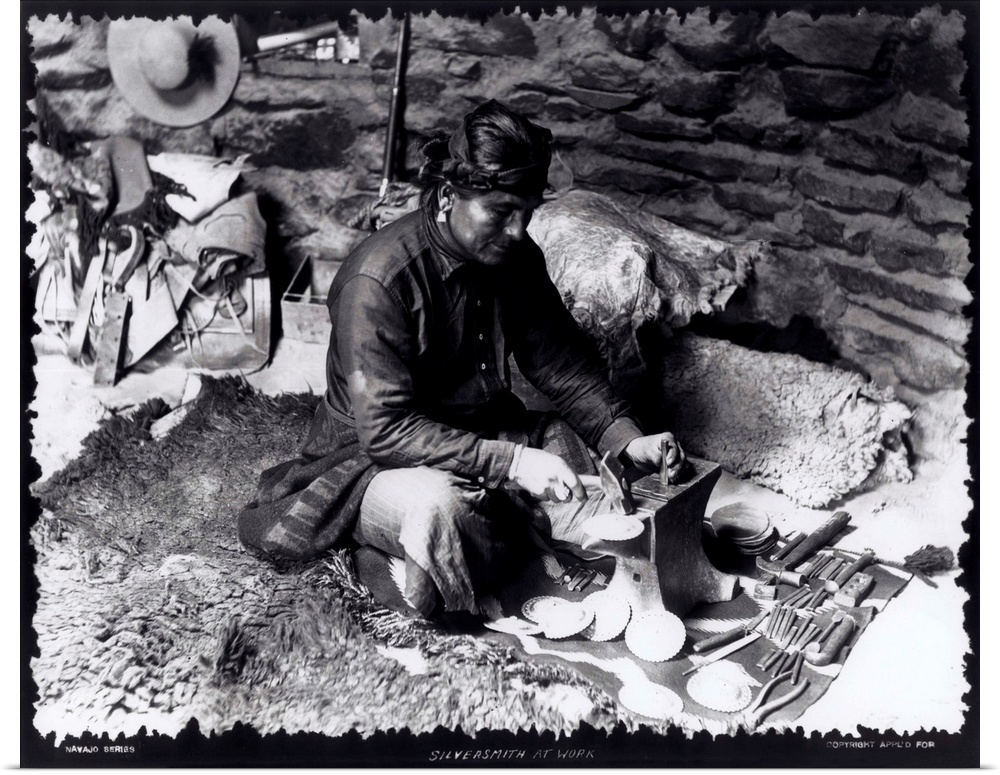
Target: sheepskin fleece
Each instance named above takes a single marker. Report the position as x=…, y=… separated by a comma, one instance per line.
x=805, y=429
x=150, y=614
x=618, y=269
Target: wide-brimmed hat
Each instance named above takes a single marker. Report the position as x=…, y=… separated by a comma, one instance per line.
x=173, y=71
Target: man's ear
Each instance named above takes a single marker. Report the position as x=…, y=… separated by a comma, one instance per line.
x=446, y=196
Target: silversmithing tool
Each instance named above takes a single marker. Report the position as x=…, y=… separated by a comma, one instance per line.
x=843, y=576
x=787, y=626
x=786, y=657
x=582, y=580
x=807, y=569
x=815, y=598
x=903, y=567
x=789, y=636
x=568, y=575
x=805, y=635
x=766, y=589
x=616, y=488
x=797, y=667
x=772, y=628
x=714, y=641
x=666, y=478
x=794, y=597
x=786, y=622
x=666, y=565
x=771, y=659
x=792, y=543
x=725, y=651
x=789, y=577
x=834, y=621
x=771, y=618
x=574, y=576
x=854, y=591
x=758, y=711
x=819, y=566
x=801, y=594
x=826, y=654
x=831, y=569
x=819, y=537
x=767, y=657
x=779, y=623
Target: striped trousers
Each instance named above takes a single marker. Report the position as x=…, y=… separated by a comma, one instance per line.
x=460, y=540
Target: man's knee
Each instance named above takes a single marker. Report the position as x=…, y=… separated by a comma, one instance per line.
x=418, y=497
x=439, y=495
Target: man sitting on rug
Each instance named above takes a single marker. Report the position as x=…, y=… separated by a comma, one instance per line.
x=419, y=448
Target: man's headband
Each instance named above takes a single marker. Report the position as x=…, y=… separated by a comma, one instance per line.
x=529, y=179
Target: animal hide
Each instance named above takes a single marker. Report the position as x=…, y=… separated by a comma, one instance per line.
x=150, y=614
x=805, y=429
x=618, y=269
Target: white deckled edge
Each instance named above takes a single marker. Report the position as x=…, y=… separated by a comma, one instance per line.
x=397, y=569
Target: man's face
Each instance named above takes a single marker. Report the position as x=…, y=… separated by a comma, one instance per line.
x=486, y=227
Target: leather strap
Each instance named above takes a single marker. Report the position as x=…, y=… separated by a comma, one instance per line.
x=78, y=334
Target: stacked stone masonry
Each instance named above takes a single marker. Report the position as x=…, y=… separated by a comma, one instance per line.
x=843, y=139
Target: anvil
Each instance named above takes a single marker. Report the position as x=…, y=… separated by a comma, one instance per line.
x=666, y=566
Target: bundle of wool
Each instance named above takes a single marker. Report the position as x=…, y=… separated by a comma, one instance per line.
x=809, y=430
x=618, y=269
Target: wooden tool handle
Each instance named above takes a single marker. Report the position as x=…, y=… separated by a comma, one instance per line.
x=837, y=638
x=819, y=537
x=834, y=584
x=724, y=638
x=816, y=644
x=714, y=641
x=788, y=547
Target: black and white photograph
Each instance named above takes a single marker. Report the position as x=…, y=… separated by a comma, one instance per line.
x=500, y=384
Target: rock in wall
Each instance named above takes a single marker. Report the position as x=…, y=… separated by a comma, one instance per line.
x=842, y=139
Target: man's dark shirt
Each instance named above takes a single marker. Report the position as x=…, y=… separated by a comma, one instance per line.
x=418, y=354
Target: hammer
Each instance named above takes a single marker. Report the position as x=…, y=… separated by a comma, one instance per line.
x=819, y=537
x=614, y=484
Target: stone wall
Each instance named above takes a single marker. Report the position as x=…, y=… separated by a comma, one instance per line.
x=842, y=139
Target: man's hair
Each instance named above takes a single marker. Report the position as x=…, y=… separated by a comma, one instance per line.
x=501, y=139
x=494, y=148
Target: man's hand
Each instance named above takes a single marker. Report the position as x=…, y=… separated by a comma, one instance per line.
x=545, y=476
x=647, y=453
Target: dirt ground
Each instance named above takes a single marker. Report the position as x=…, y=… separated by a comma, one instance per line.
x=906, y=675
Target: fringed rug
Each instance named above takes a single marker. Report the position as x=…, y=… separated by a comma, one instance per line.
x=150, y=614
